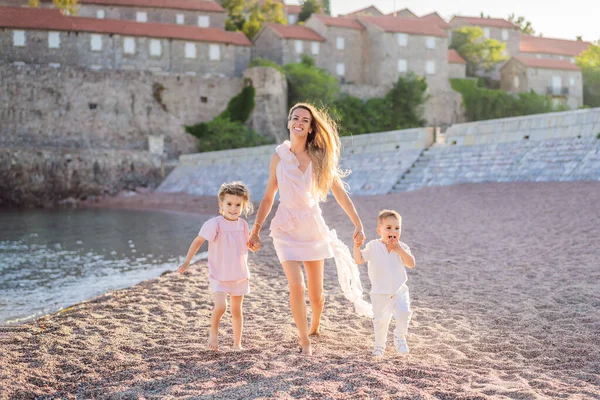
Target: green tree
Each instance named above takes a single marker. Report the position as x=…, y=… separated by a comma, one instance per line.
x=479, y=52
x=525, y=26
x=269, y=11
x=589, y=62
x=308, y=8
x=69, y=7
x=307, y=82
x=327, y=7
x=235, y=14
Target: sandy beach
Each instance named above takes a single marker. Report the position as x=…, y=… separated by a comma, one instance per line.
x=505, y=295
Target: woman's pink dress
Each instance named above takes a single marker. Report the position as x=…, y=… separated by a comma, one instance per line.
x=227, y=255
x=298, y=230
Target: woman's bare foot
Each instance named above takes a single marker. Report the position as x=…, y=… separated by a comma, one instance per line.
x=306, y=349
x=315, y=331
x=238, y=347
x=213, y=341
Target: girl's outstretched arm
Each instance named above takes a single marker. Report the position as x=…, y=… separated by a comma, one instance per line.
x=196, y=244
x=265, y=205
x=341, y=196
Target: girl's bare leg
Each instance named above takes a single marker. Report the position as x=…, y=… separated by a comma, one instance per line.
x=237, y=320
x=314, y=279
x=220, y=301
x=293, y=272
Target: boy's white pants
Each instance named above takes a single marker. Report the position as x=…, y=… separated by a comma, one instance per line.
x=384, y=306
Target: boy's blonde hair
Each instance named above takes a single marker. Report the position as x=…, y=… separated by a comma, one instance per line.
x=383, y=214
x=323, y=146
x=237, y=188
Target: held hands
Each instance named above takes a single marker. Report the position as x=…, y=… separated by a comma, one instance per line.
x=254, y=242
x=359, y=236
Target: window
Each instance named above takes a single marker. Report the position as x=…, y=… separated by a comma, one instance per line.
x=292, y=19
x=141, y=16
x=129, y=45
x=561, y=58
x=516, y=82
x=190, y=50
x=486, y=32
x=203, y=21
x=314, y=48
x=214, y=52
x=340, y=43
x=556, y=84
x=100, y=14
x=572, y=81
x=430, y=42
x=504, y=34
x=538, y=56
x=572, y=59
x=430, y=67
x=155, y=48
x=96, y=42
x=298, y=46
x=402, y=39
x=203, y=99
x=402, y=65
x=180, y=19
x=340, y=69
x=53, y=40
x=19, y=38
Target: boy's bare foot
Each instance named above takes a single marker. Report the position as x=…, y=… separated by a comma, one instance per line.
x=238, y=347
x=213, y=341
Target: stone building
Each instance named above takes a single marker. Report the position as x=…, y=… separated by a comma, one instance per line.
x=404, y=12
x=343, y=48
x=457, y=66
x=371, y=11
x=559, y=79
x=557, y=49
x=438, y=20
x=201, y=13
x=47, y=37
x=284, y=44
x=395, y=46
x=292, y=13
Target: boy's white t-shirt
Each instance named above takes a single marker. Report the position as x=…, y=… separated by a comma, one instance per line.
x=387, y=272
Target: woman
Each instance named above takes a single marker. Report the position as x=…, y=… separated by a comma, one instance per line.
x=304, y=169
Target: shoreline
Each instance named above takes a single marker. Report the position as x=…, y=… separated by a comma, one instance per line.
x=504, y=296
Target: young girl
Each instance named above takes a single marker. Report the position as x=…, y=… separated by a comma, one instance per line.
x=228, y=273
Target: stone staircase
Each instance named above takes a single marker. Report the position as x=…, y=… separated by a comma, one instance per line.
x=531, y=161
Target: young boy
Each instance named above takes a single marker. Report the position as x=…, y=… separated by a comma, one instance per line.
x=387, y=257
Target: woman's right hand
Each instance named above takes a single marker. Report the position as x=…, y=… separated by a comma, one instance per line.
x=254, y=242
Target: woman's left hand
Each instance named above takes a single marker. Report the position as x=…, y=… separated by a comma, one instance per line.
x=359, y=235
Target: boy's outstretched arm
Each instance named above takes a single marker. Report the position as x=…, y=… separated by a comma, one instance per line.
x=196, y=244
x=358, y=258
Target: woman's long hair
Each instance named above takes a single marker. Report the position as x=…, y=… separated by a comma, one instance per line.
x=323, y=146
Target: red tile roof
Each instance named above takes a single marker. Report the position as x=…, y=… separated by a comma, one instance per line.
x=363, y=10
x=437, y=18
x=52, y=19
x=196, y=5
x=405, y=25
x=570, y=48
x=547, y=63
x=492, y=22
x=455, y=58
x=293, y=9
x=295, y=32
x=340, y=22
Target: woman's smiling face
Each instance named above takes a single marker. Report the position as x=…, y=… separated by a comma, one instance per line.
x=300, y=122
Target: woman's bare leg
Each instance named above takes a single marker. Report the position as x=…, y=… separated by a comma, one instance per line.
x=293, y=272
x=314, y=279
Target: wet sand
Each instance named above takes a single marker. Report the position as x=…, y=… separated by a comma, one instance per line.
x=505, y=295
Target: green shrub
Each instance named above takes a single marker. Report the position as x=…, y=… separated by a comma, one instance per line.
x=265, y=62
x=239, y=108
x=308, y=83
x=222, y=134
x=481, y=103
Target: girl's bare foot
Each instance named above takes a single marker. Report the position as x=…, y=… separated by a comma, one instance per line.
x=238, y=347
x=213, y=341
